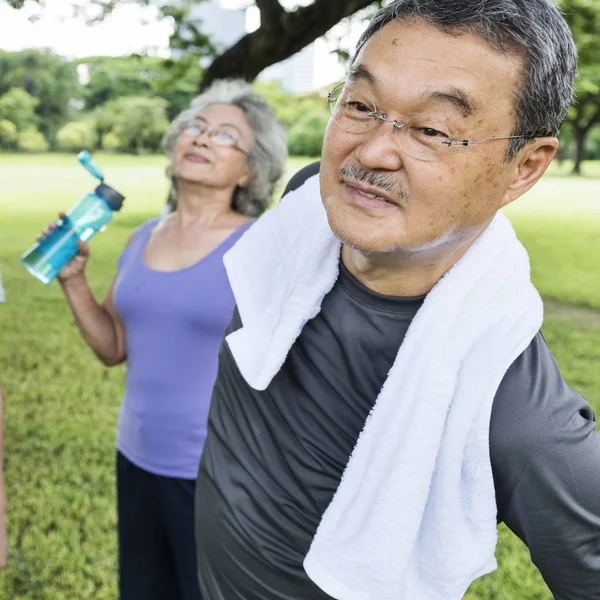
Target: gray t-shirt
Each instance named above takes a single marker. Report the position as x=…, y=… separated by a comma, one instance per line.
x=273, y=459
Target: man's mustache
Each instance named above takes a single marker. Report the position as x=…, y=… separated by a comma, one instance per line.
x=386, y=183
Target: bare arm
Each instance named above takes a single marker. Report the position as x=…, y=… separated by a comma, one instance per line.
x=3, y=541
x=99, y=323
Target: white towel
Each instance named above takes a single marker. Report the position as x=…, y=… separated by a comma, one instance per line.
x=414, y=516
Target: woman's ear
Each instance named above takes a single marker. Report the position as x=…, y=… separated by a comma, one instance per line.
x=245, y=177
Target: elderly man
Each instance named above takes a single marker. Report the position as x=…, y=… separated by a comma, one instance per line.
x=384, y=395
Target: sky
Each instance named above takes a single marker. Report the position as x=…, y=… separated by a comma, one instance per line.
x=131, y=28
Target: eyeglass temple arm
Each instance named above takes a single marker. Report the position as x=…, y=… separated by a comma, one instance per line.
x=450, y=142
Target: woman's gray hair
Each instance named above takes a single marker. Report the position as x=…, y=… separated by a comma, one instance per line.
x=533, y=28
x=267, y=157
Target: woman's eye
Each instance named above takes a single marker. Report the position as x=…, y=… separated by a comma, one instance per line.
x=225, y=137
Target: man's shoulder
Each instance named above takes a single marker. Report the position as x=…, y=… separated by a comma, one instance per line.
x=301, y=176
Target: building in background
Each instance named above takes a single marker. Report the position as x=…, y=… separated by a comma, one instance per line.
x=226, y=26
x=295, y=73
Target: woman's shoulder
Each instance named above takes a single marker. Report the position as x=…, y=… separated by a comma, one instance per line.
x=143, y=229
x=137, y=236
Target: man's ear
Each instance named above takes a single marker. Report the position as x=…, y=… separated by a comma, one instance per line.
x=531, y=163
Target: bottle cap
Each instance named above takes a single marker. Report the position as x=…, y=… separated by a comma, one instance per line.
x=112, y=197
x=86, y=160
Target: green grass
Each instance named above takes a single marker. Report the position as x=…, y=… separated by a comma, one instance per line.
x=61, y=405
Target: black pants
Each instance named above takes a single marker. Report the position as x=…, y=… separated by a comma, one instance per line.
x=157, y=550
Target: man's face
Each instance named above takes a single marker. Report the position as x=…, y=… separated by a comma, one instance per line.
x=414, y=73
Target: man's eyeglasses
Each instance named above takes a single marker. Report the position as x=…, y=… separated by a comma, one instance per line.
x=420, y=136
x=223, y=135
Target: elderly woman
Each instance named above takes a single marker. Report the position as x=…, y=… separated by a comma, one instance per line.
x=165, y=314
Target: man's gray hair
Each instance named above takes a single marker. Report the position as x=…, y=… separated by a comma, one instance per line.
x=533, y=28
x=267, y=157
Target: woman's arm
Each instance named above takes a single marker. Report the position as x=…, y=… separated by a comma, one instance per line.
x=100, y=324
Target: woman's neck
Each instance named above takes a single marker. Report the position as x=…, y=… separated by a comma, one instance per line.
x=200, y=205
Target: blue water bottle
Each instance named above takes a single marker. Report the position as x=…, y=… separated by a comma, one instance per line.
x=90, y=214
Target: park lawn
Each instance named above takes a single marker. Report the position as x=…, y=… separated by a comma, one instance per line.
x=62, y=405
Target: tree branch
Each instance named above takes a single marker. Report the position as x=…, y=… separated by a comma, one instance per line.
x=595, y=118
x=271, y=12
x=260, y=49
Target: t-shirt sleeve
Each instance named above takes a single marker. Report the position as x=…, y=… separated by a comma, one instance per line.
x=545, y=453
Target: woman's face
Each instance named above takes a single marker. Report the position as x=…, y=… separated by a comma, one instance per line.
x=213, y=149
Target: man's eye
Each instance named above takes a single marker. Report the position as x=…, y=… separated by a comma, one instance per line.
x=429, y=132
x=360, y=107
x=356, y=107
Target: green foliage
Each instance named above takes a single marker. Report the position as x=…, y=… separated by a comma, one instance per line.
x=8, y=134
x=178, y=83
x=75, y=136
x=140, y=122
x=188, y=37
x=583, y=16
x=305, y=138
x=112, y=78
x=61, y=405
x=304, y=117
x=298, y=107
x=136, y=123
x=32, y=140
x=111, y=142
x=18, y=106
x=46, y=76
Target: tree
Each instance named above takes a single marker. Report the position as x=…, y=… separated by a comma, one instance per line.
x=137, y=122
x=113, y=77
x=134, y=123
x=32, y=140
x=8, y=134
x=75, y=136
x=583, y=16
x=18, y=106
x=46, y=76
x=585, y=114
x=305, y=137
x=281, y=34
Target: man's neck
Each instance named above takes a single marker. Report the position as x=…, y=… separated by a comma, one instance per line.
x=401, y=274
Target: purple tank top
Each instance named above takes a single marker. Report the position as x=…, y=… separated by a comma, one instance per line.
x=174, y=323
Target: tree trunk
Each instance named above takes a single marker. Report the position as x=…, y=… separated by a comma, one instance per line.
x=280, y=35
x=139, y=144
x=579, y=138
x=581, y=127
